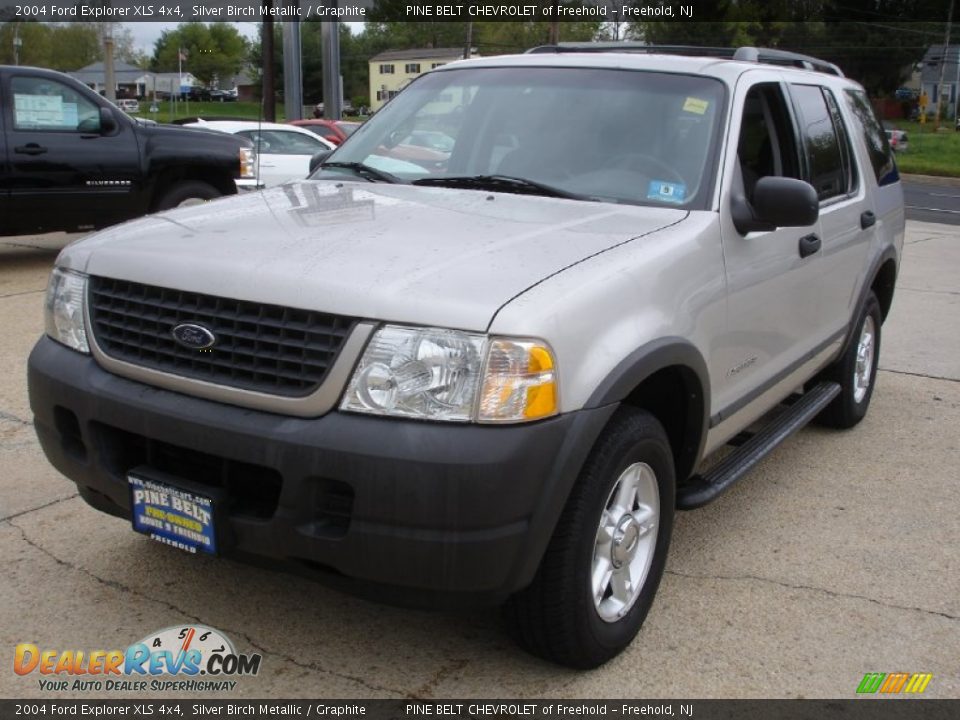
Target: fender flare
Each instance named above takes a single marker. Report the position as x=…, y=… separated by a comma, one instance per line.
x=888, y=253
x=644, y=362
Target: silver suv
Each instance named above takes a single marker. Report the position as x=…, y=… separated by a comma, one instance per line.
x=489, y=369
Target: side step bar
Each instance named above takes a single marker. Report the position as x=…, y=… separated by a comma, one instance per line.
x=703, y=489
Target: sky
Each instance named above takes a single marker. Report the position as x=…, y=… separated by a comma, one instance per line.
x=145, y=34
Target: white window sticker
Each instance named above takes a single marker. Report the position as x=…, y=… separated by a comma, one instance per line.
x=40, y=111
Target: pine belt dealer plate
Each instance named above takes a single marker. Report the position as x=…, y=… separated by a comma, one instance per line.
x=172, y=516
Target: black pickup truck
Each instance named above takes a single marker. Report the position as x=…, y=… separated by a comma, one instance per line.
x=70, y=160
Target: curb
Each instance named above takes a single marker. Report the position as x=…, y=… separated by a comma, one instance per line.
x=931, y=179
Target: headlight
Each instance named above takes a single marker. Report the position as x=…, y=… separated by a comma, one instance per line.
x=248, y=163
x=65, y=307
x=436, y=374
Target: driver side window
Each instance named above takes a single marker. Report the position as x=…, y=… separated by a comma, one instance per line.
x=44, y=104
x=767, y=145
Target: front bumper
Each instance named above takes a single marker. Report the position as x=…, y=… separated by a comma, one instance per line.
x=414, y=512
x=248, y=185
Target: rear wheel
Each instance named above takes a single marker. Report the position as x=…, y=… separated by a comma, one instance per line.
x=184, y=194
x=602, y=568
x=856, y=371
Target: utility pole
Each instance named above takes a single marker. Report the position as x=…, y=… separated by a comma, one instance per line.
x=468, y=47
x=292, y=69
x=17, y=42
x=943, y=63
x=266, y=47
x=332, y=93
x=553, y=33
x=109, y=78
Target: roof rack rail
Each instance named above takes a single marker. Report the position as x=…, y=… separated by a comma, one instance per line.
x=745, y=54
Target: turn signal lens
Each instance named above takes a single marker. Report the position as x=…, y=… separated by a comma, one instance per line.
x=519, y=384
x=248, y=163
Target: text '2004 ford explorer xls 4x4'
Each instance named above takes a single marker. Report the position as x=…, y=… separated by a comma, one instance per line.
x=493, y=374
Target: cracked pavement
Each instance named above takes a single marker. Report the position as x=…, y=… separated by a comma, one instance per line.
x=838, y=555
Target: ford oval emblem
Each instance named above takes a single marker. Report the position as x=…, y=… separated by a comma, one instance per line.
x=194, y=336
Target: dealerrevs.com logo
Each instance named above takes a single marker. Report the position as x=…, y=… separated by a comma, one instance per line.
x=182, y=658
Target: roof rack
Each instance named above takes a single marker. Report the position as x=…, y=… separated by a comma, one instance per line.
x=744, y=54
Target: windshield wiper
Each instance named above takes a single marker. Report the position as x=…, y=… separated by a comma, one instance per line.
x=365, y=171
x=500, y=183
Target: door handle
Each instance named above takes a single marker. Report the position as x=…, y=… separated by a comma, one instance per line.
x=30, y=149
x=867, y=219
x=809, y=244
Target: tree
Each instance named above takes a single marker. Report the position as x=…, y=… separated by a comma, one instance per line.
x=213, y=53
x=66, y=46
x=876, y=42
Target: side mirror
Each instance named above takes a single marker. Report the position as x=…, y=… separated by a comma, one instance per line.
x=777, y=202
x=318, y=159
x=108, y=121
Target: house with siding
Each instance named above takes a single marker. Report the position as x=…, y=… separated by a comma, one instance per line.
x=391, y=71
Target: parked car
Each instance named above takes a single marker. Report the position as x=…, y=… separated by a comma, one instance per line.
x=283, y=151
x=223, y=95
x=346, y=109
x=897, y=138
x=72, y=161
x=493, y=384
x=197, y=93
x=129, y=106
x=329, y=130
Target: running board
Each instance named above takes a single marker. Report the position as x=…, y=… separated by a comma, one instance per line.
x=703, y=489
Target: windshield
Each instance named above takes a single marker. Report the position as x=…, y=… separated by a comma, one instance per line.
x=594, y=133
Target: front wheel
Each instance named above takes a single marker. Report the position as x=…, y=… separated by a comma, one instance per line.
x=184, y=194
x=602, y=568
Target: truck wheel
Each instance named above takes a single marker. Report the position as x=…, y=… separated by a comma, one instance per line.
x=856, y=371
x=603, y=565
x=191, y=192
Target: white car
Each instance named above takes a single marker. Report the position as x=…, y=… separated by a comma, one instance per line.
x=129, y=105
x=898, y=140
x=283, y=151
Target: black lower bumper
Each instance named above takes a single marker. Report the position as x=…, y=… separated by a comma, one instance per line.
x=440, y=513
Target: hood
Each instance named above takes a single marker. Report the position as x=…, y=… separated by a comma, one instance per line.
x=430, y=256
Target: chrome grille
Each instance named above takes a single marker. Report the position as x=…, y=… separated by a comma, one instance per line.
x=265, y=348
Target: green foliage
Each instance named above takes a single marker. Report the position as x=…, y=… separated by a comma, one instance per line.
x=873, y=41
x=930, y=153
x=170, y=110
x=65, y=46
x=214, y=52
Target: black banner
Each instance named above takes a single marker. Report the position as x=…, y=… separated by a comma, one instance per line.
x=854, y=709
x=451, y=11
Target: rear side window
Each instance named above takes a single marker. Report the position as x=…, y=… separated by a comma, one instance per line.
x=821, y=144
x=881, y=157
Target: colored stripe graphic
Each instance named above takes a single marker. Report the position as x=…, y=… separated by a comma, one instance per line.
x=871, y=682
x=893, y=683
x=918, y=682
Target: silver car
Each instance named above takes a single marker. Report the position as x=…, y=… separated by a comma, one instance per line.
x=490, y=377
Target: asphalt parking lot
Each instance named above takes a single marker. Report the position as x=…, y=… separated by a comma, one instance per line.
x=839, y=555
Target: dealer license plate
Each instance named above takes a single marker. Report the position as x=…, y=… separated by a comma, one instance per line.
x=172, y=516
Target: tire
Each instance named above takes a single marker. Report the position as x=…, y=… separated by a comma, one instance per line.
x=557, y=617
x=851, y=371
x=189, y=192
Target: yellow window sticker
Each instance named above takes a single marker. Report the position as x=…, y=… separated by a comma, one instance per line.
x=696, y=105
